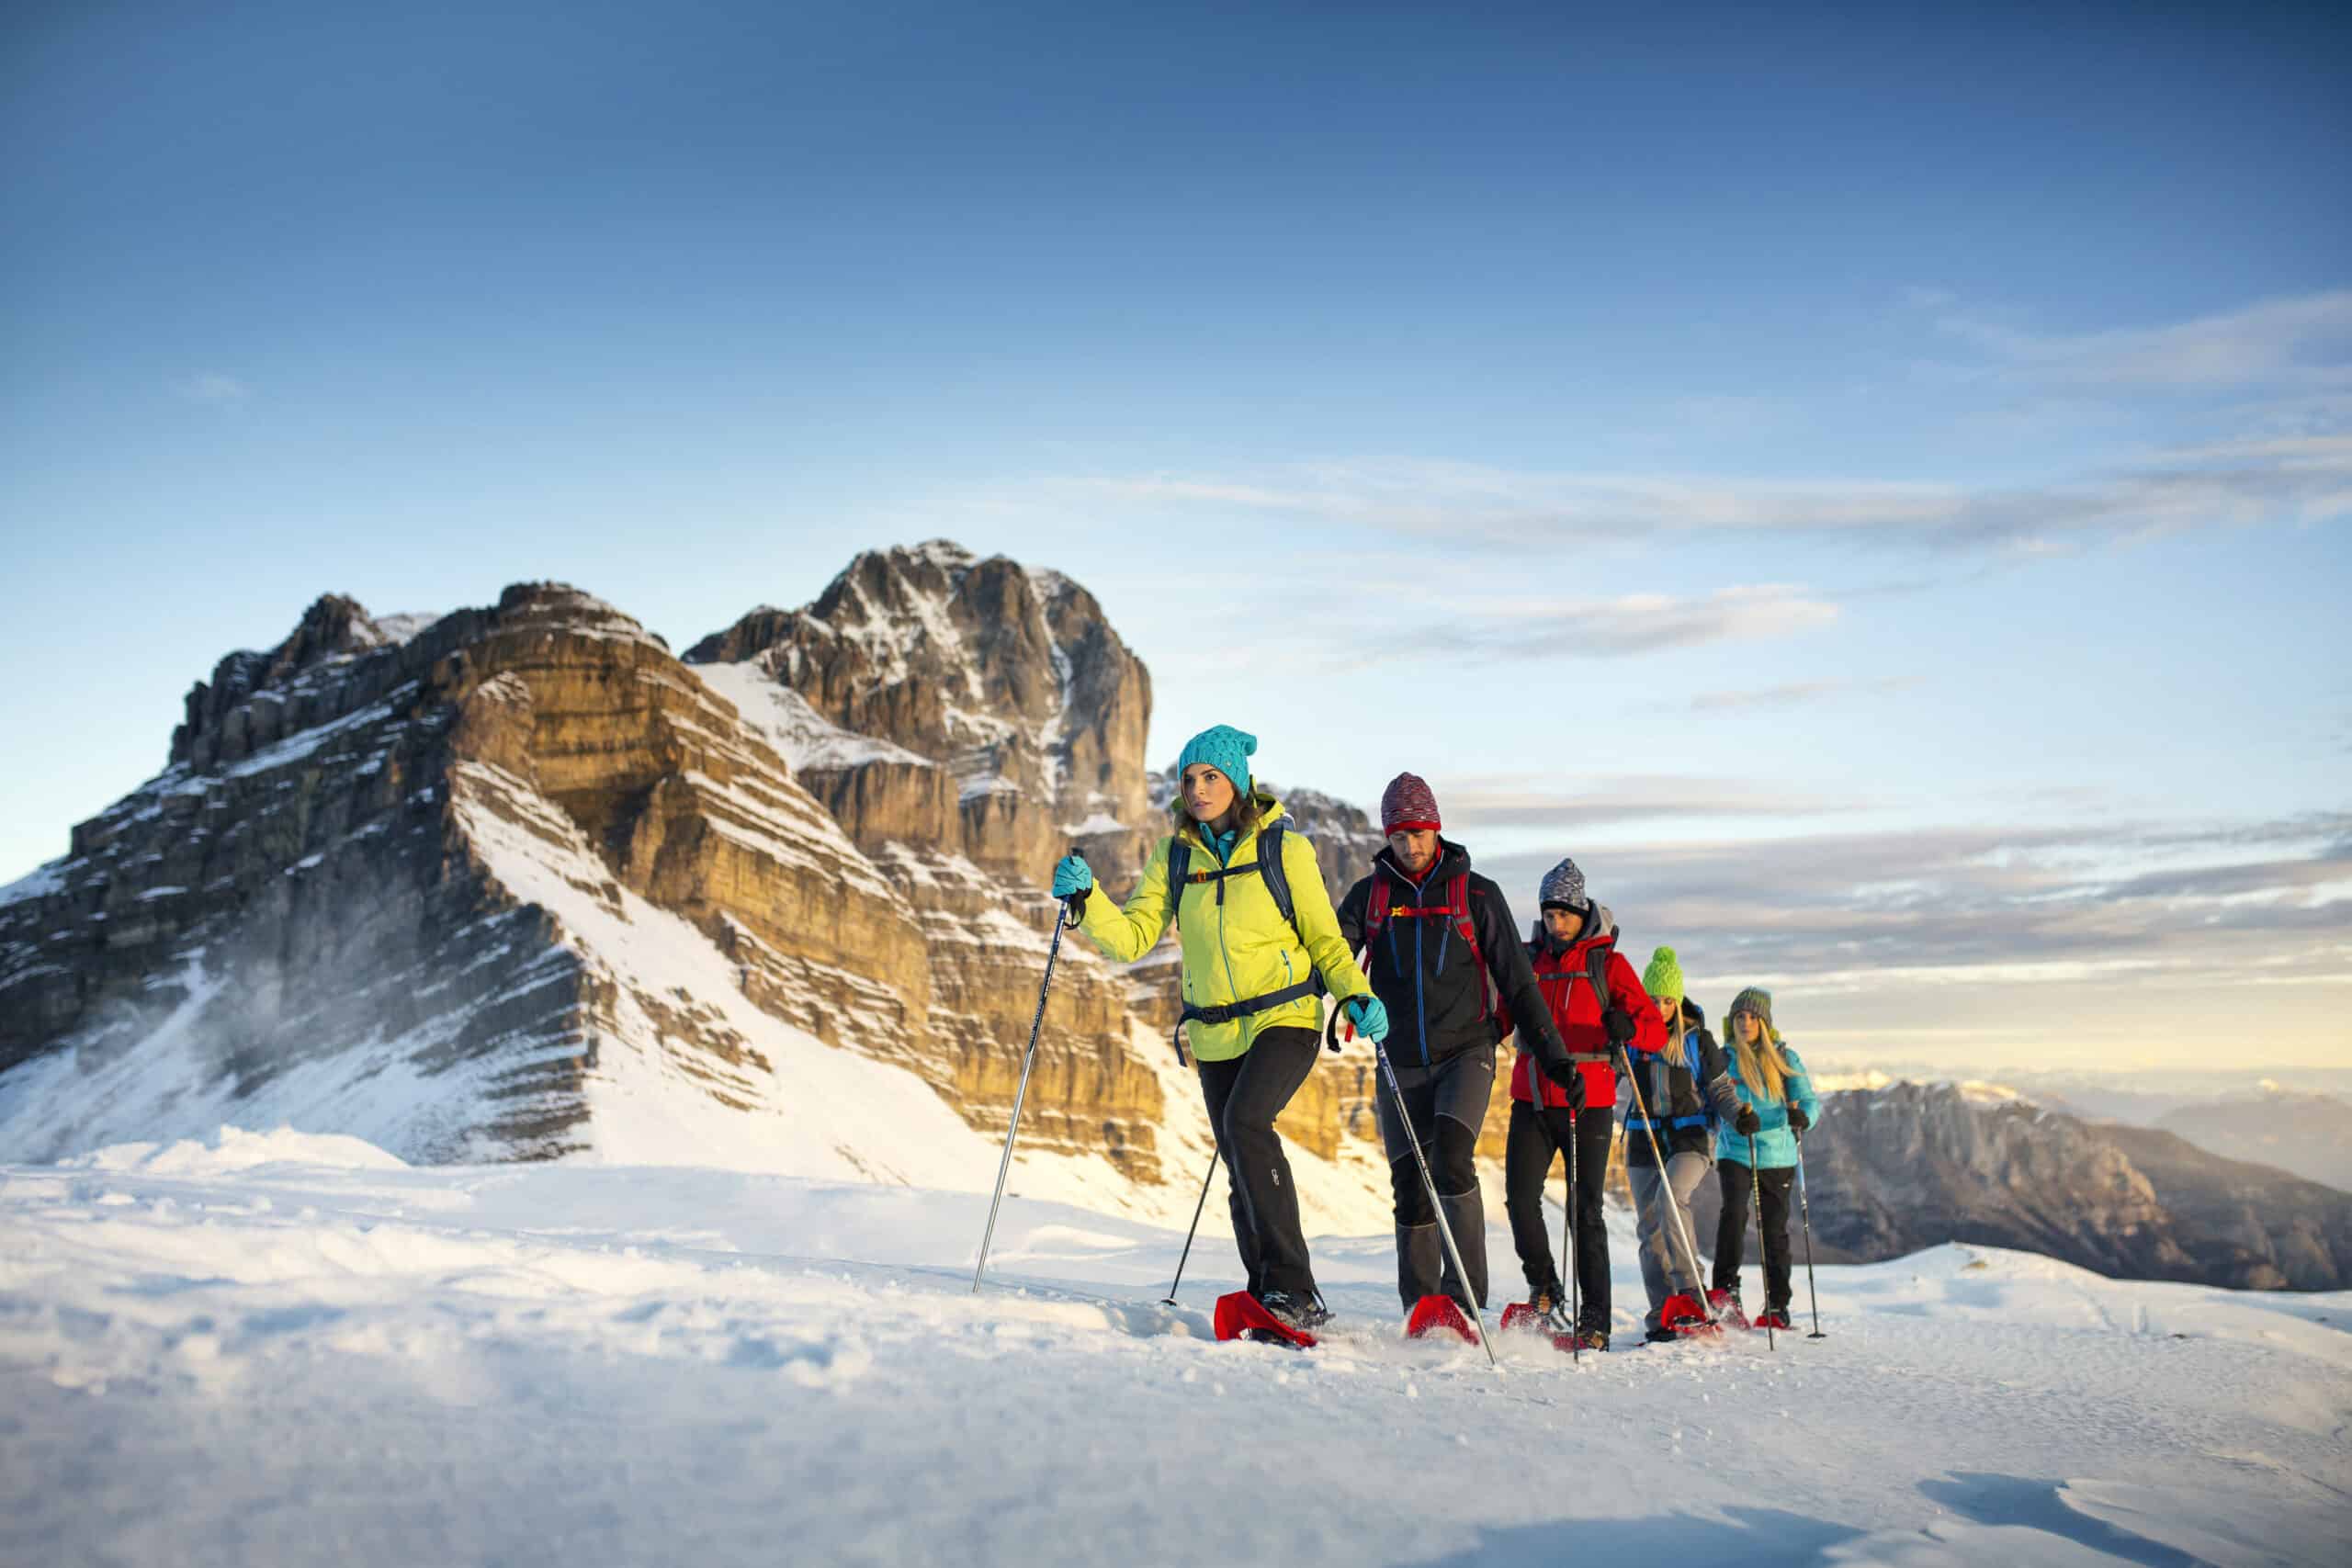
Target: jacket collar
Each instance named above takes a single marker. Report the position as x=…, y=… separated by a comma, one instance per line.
x=1451, y=860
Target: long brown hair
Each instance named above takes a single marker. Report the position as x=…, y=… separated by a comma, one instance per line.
x=1249, y=810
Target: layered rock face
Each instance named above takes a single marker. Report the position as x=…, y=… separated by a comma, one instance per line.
x=310, y=885
x=455, y=883
x=1908, y=1166
x=966, y=721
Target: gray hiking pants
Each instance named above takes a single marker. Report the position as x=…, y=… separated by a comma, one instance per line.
x=1666, y=1236
x=1447, y=1103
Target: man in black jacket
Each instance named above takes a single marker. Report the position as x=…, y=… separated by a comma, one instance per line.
x=1443, y=955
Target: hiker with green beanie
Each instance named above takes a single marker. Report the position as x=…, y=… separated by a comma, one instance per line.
x=1680, y=1092
x=1256, y=928
x=1756, y=1152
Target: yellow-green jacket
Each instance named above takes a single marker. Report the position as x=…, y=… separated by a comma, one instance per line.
x=1237, y=945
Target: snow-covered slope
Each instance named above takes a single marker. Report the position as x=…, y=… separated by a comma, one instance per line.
x=296, y=1350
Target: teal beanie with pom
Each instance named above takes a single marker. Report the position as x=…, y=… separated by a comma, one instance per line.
x=1224, y=748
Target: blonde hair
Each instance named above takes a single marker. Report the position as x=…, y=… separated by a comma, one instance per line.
x=1762, y=1066
x=1677, y=1053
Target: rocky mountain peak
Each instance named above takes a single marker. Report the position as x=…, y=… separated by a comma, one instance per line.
x=333, y=631
x=1005, y=678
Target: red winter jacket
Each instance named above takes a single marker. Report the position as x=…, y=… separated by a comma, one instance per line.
x=1562, y=977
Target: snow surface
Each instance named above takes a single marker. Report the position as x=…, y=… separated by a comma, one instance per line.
x=40, y=883
x=803, y=737
x=288, y=1350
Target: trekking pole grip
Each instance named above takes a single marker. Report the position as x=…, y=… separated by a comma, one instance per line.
x=1074, y=904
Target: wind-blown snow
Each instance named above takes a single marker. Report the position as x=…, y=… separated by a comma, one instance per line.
x=283, y=1351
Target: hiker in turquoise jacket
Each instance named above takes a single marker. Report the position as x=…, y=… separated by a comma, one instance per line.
x=1252, y=1013
x=1756, y=1153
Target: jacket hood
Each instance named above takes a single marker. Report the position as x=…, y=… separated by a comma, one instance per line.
x=1693, y=1015
x=1599, y=926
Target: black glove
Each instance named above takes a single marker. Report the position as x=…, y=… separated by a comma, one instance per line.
x=1620, y=1024
x=1745, y=1123
x=1798, y=1119
x=1571, y=1078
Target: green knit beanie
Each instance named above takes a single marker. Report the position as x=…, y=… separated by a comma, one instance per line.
x=1663, y=978
x=1755, y=999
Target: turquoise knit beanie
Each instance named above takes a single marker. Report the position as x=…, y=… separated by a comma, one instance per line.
x=1224, y=748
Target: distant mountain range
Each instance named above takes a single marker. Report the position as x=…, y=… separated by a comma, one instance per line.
x=1896, y=1169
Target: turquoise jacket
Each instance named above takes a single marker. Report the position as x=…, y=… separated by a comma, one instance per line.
x=1775, y=1143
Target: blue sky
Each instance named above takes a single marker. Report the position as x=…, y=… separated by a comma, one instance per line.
x=1872, y=486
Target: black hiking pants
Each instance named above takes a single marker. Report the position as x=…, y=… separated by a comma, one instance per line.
x=1447, y=1104
x=1537, y=1138
x=1731, y=1231
x=1244, y=1096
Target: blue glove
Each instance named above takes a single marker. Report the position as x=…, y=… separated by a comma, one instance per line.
x=1072, y=874
x=1372, y=1019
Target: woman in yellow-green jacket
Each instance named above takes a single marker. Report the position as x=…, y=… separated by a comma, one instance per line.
x=1251, y=1011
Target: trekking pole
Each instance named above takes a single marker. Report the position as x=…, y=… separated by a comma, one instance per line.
x=1666, y=1180
x=1763, y=1262
x=1444, y=1231
x=1568, y=1236
x=1065, y=918
x=1805, y=1208
x=1216, y=1149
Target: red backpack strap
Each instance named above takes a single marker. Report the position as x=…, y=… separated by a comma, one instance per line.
x=1376, y=908
x=1458, y=898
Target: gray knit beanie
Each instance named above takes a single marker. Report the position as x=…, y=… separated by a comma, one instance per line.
x=1564, y=886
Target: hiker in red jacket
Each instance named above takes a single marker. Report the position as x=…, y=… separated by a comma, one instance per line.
x=1576, y=938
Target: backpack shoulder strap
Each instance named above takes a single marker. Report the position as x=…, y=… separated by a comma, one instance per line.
x=1179, y=866
x=1276, y=876
x=1596, y=968
x=1490, y=993
x=1375, y=906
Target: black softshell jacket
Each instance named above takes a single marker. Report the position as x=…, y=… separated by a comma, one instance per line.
x=1424, y=973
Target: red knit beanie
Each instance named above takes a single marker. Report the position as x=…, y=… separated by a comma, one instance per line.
x=1408, y=804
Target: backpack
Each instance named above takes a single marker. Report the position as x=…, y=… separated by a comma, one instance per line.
x=1268, y=865
x=1379, y=909
x=1270, y=868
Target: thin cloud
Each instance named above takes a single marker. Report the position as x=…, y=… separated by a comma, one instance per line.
x=1794, y=693
x=2305, y=479
x=1514, y=801
x=215, y=390
x=1966, y=902
x=1632, y=623
x=2301, y=344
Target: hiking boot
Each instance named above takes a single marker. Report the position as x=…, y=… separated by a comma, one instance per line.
x=1305, y=1313
x=1774, y=1317
x=1593, y=1336
x=1659, y=1337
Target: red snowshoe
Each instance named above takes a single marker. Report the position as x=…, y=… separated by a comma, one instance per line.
x=1728, y=1312
x=1434, y=1315
x=1241, y=1315
x=1774, y=1317
x=1681, y=1316
x=1529, y=1318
